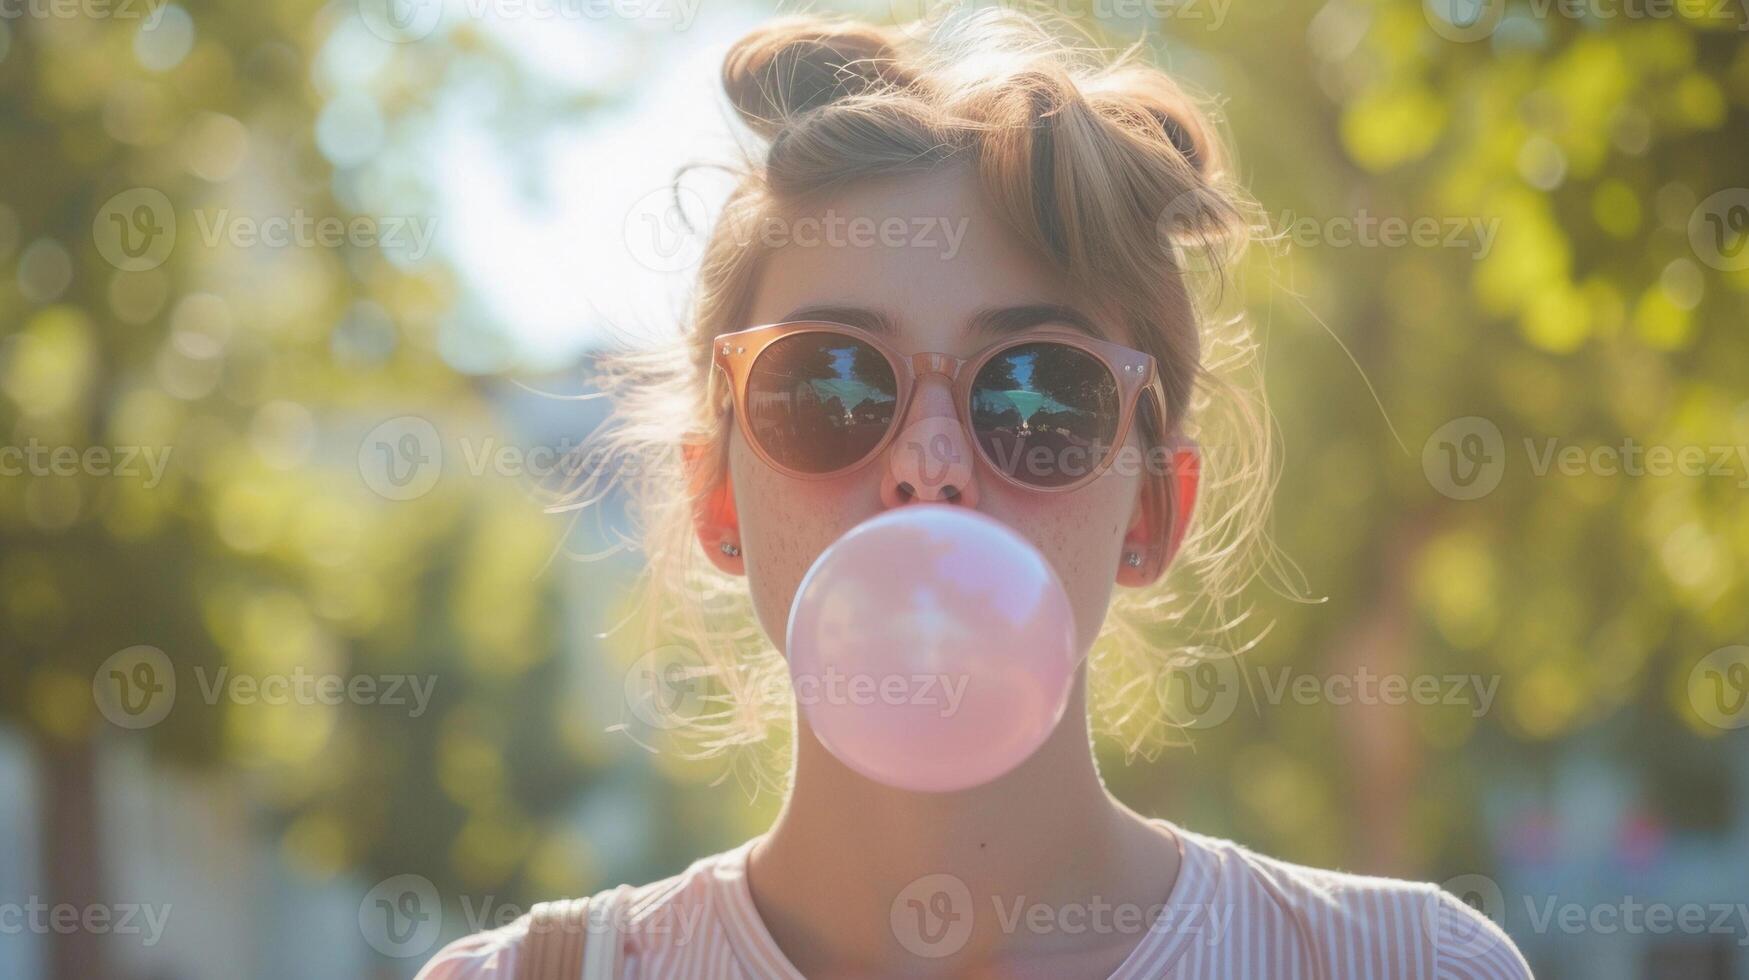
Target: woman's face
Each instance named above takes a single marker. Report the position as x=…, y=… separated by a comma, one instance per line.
x=953, y=261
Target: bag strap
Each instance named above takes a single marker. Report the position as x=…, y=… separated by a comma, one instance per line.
x=573, y=939
x=606, y=921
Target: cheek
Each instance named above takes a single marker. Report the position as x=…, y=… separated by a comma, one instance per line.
x=1081, y=533
x=785, y=525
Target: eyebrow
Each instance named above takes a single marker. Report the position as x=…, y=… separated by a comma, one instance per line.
x=998, y=321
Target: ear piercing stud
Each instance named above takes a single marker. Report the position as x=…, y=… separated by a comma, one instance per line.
x=1133, y=559
x=730, y=549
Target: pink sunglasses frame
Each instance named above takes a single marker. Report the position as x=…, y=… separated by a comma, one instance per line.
x=1134, y=372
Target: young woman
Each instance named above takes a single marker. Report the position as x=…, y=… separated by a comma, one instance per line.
x=979, y=189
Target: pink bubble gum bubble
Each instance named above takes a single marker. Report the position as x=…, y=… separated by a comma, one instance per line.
x=932, y=648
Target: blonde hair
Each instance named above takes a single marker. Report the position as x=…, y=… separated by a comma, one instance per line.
x=1108, y=170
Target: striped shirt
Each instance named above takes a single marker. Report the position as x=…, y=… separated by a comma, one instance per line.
x=1232, y=914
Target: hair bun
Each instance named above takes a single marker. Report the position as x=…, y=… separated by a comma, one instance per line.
x=794, y=64
x=1179, y=118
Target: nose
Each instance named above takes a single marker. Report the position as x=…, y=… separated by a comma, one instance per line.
x=932, y=459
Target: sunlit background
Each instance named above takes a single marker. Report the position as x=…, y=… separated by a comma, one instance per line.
x=298, y=680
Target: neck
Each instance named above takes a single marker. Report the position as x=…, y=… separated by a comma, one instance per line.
x=844, y=849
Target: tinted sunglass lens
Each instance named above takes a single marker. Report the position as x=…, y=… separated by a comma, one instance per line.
x=1045, y=413
x=819, y=402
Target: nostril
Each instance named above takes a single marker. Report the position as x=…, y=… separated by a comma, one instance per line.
x=906, y=490
x=950, y=493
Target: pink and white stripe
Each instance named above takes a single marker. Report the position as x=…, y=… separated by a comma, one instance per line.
x=1232, y=914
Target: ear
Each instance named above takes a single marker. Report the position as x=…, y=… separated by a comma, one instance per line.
x=1163, y=512
x=713, y=507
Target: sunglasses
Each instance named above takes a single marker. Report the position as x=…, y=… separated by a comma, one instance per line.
x=1048, y=410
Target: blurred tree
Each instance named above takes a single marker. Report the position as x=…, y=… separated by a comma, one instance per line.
x=226, y=428
x=1573, y=177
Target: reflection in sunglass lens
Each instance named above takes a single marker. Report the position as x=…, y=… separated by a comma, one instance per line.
x=818, y=402
x=1045, y=413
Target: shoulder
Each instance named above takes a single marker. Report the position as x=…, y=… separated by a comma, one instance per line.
x=489, y=955
x=650, y=919
x=1354, y=923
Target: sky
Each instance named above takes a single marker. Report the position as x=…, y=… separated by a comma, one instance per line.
x=557, y=222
